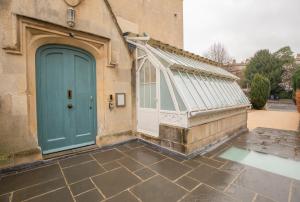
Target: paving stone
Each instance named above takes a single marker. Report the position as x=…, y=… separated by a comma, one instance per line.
x=212, y=176
x=191, y=163
x=295, y=195
x=75, y=160
x=81, y=186
x=145, y=156
x=28, y=178
x=233, y=168
x=123, y=148
x=208, y=161
x=176, y=158
x=205, y=193
x=107, y=156
x=115, y=181
x=216, y=151
x=170, y=169
x=90, y=196
x=130, y=164
x=58, y=195
x=145, y=173
x=217, y=158
x=39, y=189
x=187, y=182
x=79, y=172
x=5, y=198
x=125, y=196
x=265, y=183
x=260, y=198
x=111, y=165
x=240, y=193
x=158, y=189
x=134, y=144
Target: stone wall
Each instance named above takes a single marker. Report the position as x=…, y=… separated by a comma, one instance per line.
x=204, y=131
x=161, y=19
x=220, y=127
x=25, y=25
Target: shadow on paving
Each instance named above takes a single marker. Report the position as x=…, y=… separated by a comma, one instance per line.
x=135, y=172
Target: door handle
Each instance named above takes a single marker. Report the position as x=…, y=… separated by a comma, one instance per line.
x=91, y=102
x=70, y=106
x=69, y=94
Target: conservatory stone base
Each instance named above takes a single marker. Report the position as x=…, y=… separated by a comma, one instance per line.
x=204, y=132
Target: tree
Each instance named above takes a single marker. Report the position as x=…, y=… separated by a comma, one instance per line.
x=260, y=91
x=218, y=53
x=285, y=55
x=275, y=66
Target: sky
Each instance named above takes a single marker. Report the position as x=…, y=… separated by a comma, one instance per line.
x=242, y=26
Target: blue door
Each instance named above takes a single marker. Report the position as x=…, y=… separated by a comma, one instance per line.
x=66, y=102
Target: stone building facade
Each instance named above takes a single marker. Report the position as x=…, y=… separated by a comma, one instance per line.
x=238, y=69
x=36, y=35
x=27, y=25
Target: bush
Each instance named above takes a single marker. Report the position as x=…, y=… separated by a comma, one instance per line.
x=285, y=95
x=296, y=80
x=260, y=91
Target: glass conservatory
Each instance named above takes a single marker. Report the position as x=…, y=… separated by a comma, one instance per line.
x=173, y=86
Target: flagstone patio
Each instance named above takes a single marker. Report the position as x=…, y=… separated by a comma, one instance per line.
x=137, y=172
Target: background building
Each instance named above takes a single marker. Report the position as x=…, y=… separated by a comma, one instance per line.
x=238, y=70
x=298, y=59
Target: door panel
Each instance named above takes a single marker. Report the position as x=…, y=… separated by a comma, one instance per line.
x=148, y=122
x=65, y=85
x=84, y=99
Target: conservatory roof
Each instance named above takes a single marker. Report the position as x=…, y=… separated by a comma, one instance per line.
x=196, y=84
x=183, y=59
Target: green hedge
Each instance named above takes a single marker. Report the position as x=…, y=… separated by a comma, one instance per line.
x=260, y=91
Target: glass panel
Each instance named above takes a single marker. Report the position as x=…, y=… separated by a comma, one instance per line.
x=142, y=75
x=233, y=92
x=281, y=166
x=147, y=96
x=147, y=72
x=152, y=73
x=190, y=100
x=243, y=98
x=228, y=94
x=166, y=102
x=207, y=91
x=200, y=91
x=142, y=95
x=212, y=90
x=148, y=86
x=192, y=90
x=180, y=102
x=232, y=96
x=153, y=95
x=222, y=91
x=219, y=92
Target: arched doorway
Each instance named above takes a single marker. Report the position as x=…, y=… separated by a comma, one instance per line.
x=66, y=98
